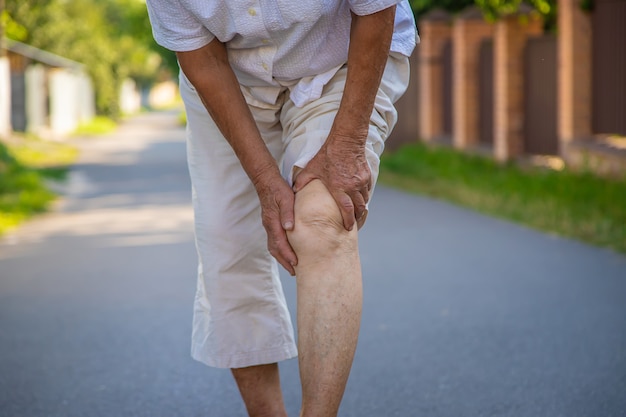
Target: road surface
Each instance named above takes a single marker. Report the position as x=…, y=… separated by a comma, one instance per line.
x=464, y=315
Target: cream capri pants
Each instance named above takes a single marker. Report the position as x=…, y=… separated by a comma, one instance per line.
x=240, y=314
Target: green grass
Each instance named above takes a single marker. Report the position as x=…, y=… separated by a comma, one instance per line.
x=182, y=118
x=99, y=125
x=26, y=165
x=577, y=205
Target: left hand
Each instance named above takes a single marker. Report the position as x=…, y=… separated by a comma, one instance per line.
x=342, y=168
x=277, y=200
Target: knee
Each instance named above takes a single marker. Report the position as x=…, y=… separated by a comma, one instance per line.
x=318, y=225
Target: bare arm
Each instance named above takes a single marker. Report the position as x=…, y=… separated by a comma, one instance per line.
x=210, y=73
x=341, y=163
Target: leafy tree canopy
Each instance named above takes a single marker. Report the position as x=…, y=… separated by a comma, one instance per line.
x=491, y=8
x=112, y=38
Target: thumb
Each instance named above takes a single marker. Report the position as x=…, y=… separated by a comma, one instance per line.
x=303, y=178
x=285, y=211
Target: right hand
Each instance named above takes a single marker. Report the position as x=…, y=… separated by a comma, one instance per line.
x=342, y=167
x=277, y=201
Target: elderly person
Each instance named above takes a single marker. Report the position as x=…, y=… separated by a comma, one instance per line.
x=288, y=107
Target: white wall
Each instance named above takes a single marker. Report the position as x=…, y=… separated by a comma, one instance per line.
x=5, y=97
x=130, y=98
x=64, y=113
x=70, y=95
x=36, y=98
x=86, y=98
x=163, y=94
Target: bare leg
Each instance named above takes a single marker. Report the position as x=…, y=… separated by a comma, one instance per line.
x=260, y=389
x=329, y=299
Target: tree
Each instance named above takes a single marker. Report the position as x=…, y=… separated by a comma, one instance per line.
x=491, y=8
x=422, y=6
x=110, y=37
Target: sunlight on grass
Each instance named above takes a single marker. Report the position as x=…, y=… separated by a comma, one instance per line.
x=26, y=164
x=41, y=154
x=182, y=118
x=577, y=205
x=99, y=125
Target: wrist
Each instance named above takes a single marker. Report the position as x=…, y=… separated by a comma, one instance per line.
x=353, y=139
x=264, y=174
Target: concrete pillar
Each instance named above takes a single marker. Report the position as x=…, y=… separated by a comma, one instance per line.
x=86, y=98
x=574, y=69
x=510, y=36
x=5, y=97
x=469, y=31
x=435, y=31
x=36, y=98
x=130, y=99
x=63, y=102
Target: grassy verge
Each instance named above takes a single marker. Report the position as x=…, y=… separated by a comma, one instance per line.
x=577, y=205
x=99, y=125
x=26, y=165
x=182, y=118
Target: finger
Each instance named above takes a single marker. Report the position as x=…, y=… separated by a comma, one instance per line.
x=285, y=208
x=277, y=243
x=360, y=222
x=284, y=261
x=303, y=178
x=366, y=194
x=284, y=249
x=359, y=205
x=346, y=207
x=286, y=265
x=281, y=250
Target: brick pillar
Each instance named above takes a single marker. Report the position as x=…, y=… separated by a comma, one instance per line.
x=510, y=35
x=574, y=81
x=469, y=30
x=435, y=31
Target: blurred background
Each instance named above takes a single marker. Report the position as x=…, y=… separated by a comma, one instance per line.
x=73, y=60
x=488, y=75
x=539, y=84
x=494, y=272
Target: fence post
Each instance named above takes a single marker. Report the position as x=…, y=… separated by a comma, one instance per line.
x=5, y=80
x=574, y=69
x=510, y=36
x=469, y=31
x=435, y=31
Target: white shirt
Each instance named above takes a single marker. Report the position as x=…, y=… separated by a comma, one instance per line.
x=276, y=43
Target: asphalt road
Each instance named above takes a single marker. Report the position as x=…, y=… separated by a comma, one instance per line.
x=464, y=315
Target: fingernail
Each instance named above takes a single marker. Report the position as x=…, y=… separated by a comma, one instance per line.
x=288, y=225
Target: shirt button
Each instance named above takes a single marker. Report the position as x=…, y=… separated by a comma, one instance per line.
x=264, y=65
x=251, y=12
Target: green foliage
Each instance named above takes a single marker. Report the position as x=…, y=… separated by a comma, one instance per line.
x=26, y=165
x=99, y=125
x=112, y=38
x=496, y=8
x=422, y=6
x=586, y=5
x=12, y=29
x=492, y=9
x=23, y=172
x=182, y=118
x=579, y=205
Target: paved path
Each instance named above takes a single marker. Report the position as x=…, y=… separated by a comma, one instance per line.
x=464, y=315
